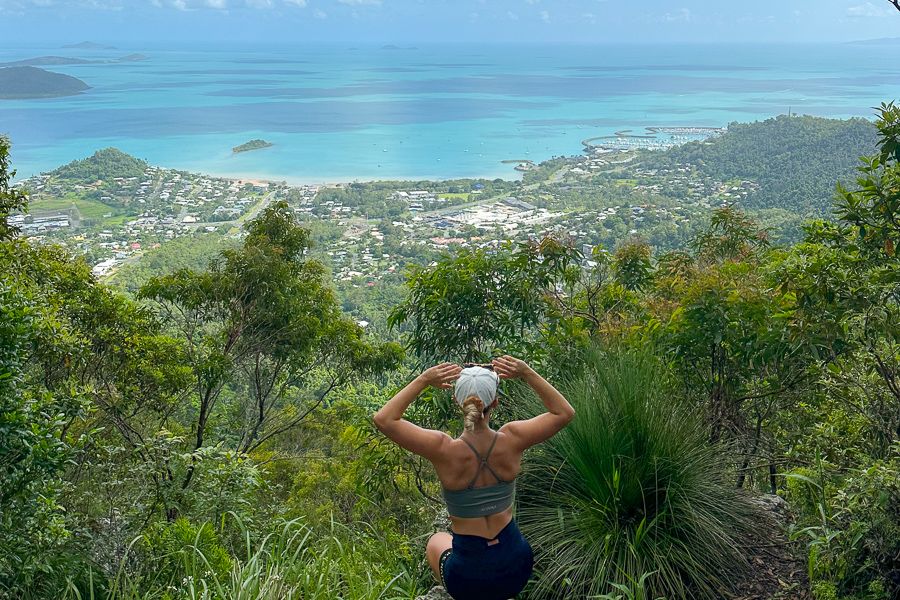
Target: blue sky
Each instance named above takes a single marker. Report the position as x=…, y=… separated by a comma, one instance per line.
x=422, y=21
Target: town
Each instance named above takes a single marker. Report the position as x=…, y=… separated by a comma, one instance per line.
x=379, y=228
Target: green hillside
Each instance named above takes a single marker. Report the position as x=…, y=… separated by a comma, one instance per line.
x=104, y=164
x=796, y=160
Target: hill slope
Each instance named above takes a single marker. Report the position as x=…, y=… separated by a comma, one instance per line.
x=31, y=82
x=796, y=160
x=104, y=164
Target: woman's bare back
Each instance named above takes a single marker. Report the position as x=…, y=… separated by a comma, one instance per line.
x=459, y=465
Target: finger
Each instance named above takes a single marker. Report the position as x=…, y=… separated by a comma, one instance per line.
x=503, y=372
x=504, y=364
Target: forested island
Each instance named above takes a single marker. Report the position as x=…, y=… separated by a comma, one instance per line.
x=201, y=418
x=252, y=145
x=24, y=82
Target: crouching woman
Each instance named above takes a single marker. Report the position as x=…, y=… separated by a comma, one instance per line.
x=485, y=556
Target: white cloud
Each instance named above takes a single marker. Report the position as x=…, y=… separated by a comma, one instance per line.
x=545, y=16
x=218, y=4
x=320, y=14
x=360, y=2
x=297, y=3
x=867, y=11
x=532, y=1
x=682, y=15
x=512, y=16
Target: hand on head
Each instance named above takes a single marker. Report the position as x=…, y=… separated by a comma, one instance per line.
x=508, y=367
x=442, y=376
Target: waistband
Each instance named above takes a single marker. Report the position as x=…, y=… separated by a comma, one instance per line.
x=508, y=535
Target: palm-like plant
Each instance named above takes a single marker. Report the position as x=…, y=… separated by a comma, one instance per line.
x=631, y=491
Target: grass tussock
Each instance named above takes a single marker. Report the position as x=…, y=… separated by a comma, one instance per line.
x=631, y=493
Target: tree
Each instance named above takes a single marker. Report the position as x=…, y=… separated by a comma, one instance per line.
x=632, y=265
x=846, y=279
x=263, y=334
x=719, y=313
x=11, y=199
x=478, y=302
x=33, y=454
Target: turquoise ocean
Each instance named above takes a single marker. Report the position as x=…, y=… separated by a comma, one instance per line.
x=343, y=113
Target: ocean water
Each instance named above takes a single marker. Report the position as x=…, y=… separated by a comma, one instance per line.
x=342, y=113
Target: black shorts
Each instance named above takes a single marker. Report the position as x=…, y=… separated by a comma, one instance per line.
x=476, y=568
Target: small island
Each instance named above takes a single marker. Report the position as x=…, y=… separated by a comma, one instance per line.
x=252, y=145
x=90, y=46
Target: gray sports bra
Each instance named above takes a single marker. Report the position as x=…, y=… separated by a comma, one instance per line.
x=475, y=502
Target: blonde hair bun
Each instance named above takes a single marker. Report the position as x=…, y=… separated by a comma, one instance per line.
x=473, y=412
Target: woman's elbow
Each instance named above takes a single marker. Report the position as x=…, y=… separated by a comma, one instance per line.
x=380, y=421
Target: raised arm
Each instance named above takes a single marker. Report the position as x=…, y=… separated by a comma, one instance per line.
x=389, y=419
x=530, y=432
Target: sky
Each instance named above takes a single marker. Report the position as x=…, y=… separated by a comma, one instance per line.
x=132, y=22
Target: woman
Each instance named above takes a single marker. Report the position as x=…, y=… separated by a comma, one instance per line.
x=486, y=557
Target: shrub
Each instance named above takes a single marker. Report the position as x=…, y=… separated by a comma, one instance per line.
x=179, y=550
x=852, y=528
x=631, y=491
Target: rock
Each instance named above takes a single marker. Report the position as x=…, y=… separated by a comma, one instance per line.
x=775, y=506
x=436, y=593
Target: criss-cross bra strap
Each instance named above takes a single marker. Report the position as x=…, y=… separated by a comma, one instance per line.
x=484, y=461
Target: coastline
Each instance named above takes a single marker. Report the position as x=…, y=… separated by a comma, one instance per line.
x=331, y=182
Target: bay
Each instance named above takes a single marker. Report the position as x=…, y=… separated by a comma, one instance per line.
x=342, y=113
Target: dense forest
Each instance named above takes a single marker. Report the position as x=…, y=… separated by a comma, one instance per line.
x=796, y=160
x=210, y=435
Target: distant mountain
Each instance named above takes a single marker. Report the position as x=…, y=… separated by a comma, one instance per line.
x=795, y=160
x=90, y=46
x=31, y=82
x=893, y=41
x=47, y=60
x=105, y=164
x=66, y=60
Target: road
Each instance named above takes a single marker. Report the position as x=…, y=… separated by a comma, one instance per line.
x=250, y=214
x=555, y=177
x=239, y=222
